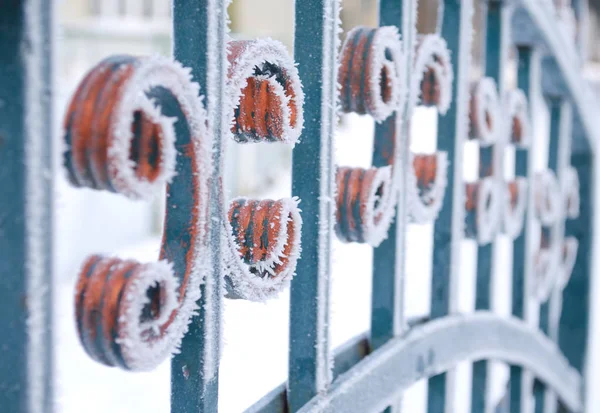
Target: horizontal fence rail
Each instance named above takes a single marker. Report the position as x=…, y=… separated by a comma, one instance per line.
x=138, y=125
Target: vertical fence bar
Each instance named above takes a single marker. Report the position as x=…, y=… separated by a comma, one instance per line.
x=387, y=315
x=26, y=178
x=315, y=45
x=448, y=228
x=389, y=263
x=490, y=164
x=199, y=30
x=558, y=111
x=574, y=320
x=521, y=257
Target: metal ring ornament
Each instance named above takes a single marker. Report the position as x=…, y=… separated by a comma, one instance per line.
x=262, y=238
x=371, y=73
x=515, y=204
x=570, y=192
x=265, y=91
x=427, y=186
x=433, y=74
x=482, y=206
x=517, y=117
x=544, y=273
x=547, y=197
x=484, y=112
x=568, y=257
x=127, y=122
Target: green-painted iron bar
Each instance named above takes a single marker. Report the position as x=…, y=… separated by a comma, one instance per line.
x=387, y=315
x=490, y=164
x=456, y=29
x=26, y=181
x=558, y=112
x=199, y=28
x=573, y=333
x=573, y=327
x=315, y=46
x=521, y=264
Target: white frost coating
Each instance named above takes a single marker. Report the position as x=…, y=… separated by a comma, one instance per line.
x=513, y=216
x=432, y=53
x=544, y=273
x=425, y=208
x=487, y=210
x=378, y=219
x=382, y=376
x=516, y=108
x=255, y=54
x=570, y=192
x=149, y=73
x=248, y=284
x=485, y=112
x=139, y=353
x=36, y=288
x=567, y=263
x=217, y=124
x=547, y=197
x=329, y=112
x=386, y=37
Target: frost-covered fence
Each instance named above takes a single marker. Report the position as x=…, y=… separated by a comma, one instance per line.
x=138, y=124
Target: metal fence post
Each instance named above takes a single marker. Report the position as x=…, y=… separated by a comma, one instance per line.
x=315, y=45
x=26, y=177
x=448, y=228
x=199, y=28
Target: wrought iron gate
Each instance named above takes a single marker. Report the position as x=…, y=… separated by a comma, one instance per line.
x=121, y=137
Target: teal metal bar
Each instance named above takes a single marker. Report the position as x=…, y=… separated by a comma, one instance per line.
x=573, y=331
x=388, y=259
x=520, y=265
x=556, y=109
x=452, y=131
x=315, y=45
x=26, y=182
x=490, y=164
x=199, y=28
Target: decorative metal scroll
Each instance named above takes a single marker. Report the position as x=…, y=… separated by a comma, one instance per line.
x=432, y=87
x=483, y=196
x=371, y=75
x=555, y=258
x=136, y=124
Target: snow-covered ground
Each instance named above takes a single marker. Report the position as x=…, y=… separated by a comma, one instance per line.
x=255, y=335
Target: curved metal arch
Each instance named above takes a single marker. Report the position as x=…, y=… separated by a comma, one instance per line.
x=535, y=24
x=436, y=347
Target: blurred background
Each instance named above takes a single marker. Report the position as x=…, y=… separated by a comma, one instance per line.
x=255, y=335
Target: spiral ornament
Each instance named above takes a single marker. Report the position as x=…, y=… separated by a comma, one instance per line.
x=484, y=112
x=127, y=123
x=427, y=186
x=371, y=75
x=517, y=118
x=262, y=238
x=482, y=206
x=515, y=204
x=433, y=74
